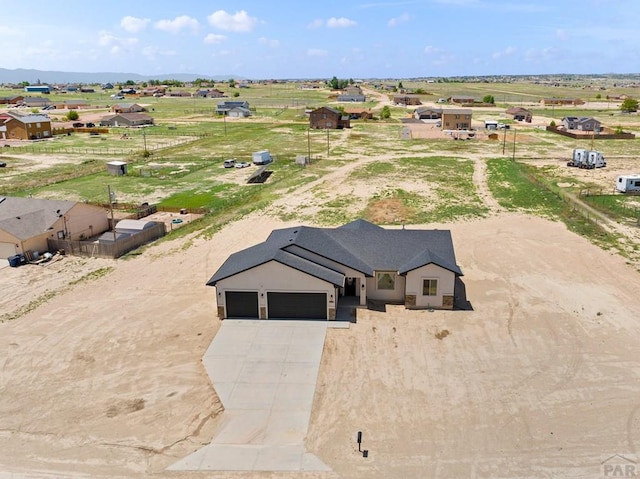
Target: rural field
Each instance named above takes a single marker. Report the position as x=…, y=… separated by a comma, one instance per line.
x=101, y=359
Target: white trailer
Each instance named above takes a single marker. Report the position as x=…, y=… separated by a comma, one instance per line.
x=578, y=158
x=588, y=159
x=262, y=157
x=595, y=159
x=628, y=183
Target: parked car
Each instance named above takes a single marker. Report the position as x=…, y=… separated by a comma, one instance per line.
x=3, y=164
x=90, y=125
x=77, y=124
x=229, y=163
x=242, y=164
x=117, y=97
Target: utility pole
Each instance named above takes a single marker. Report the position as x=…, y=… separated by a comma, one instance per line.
x=327, y=142
x=504, y=140
x=144, y=139
x=113, y=225
x=309, y=145
x=514, y=145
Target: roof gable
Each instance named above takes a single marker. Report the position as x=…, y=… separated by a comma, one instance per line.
x=359, y=245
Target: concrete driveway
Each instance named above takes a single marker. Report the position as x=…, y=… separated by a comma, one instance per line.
x=265, y=374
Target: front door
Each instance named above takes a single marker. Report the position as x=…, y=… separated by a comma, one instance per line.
x=350, y=287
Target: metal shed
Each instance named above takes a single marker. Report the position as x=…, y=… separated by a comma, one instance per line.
x=117, y=168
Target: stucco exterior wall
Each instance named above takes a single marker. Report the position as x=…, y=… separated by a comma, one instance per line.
x=272, y=276
x=446, y=284
x=394, y=295
x=85, y=221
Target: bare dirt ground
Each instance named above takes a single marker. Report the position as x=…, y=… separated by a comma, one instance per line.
x=540, y=380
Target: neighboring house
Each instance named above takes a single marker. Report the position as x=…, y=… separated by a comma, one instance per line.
x=14, y=126
x=35, y=102
x=87, y=90
x=215, y=93
x=156, y=91
x=328, y=118
x=127, y=108
x=38, y=89
x=456, y=118
x=27, y=223
x=126, y=119
x=427, y=113
x=561, y=101
x=70, y=104
x=224, y=107
x=462, y=100
x=11, y=100
x=107, y=86
x=179, y=93
x=581, y=123
x=359, y=113
x=239, y=112
x=520, y=114
x=303, y=272
x=407, y=100
x=351, y=98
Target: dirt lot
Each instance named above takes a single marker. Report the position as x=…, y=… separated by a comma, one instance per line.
x=540, y=379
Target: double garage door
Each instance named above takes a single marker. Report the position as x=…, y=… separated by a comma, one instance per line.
x=244, y=304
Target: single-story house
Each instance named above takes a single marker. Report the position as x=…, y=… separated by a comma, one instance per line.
x=359, y=113
x=456, y=118
x=407, y=100
x=462, y=100
x=127, y=108
x=11, y=100
x=35, y=102
x=361, y=98
x=520, y=114
x=328, y=118
x=581, y=123
x=427, y=113
x=239, y=112
x=303, y=272
x=561, y=101
x=179, y=93
x=27, y=223
x=15, y=126
x=71, y=104
x=224, y=107
x=126, y=119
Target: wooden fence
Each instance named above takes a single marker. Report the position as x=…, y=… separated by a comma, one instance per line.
x=590, y=136
x=108, y=250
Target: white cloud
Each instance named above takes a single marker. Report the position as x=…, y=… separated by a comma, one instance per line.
x=317, y=23
x=269, y=42
x=317, y=52
x=562, y=34
x=238, y=22
x=394, y=22
x=341, y=22
x=431, y=50
x=133, y=24
x=214, y=38
x=507, y=52
x=178, y=24
x=106, y=39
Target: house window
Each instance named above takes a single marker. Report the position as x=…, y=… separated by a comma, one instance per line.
x=429, y=287
x=37, y=125
x=386, y=281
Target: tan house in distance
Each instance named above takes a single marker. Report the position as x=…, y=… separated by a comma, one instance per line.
x=27, y=223
x=127, y=108
x=14, y=126
x=456, y=118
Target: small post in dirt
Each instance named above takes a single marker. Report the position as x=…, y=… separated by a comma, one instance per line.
x=514, y=145
x=113, y=225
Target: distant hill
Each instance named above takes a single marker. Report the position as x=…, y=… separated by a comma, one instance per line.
x=53, y=77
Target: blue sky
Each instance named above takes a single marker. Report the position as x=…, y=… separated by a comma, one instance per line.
x=320, y=39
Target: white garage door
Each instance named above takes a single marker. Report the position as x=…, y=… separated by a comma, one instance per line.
x=7, y=249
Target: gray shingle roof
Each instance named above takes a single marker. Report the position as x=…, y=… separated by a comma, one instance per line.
x=359, y=245
x=25, y=218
